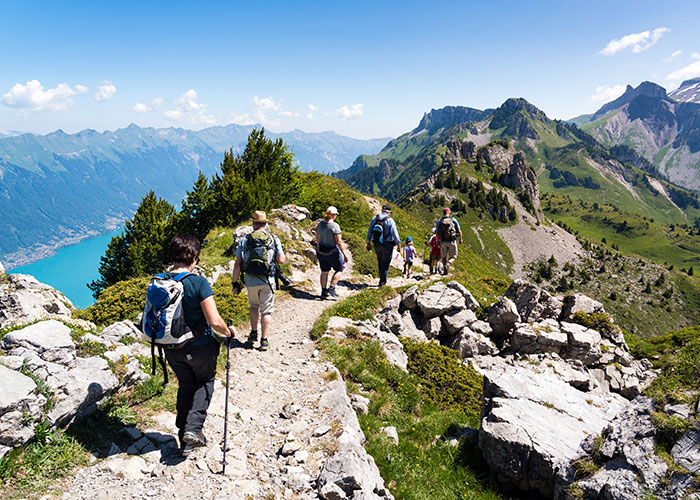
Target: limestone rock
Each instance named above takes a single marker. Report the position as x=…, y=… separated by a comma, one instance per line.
x=469, y=299
x=481, y=327
x=390, y=343
x=391, y=433
x=360, y=403
x=532, y=423
x=50, y=340
x=438, y=299
x=470, y=344
x=538, y=338
x=294, y=212
x=409, y=298
x=533, y=303
x=503, y=315
x=454, y=321
x=686, y=452
x=410, y=329
x=118, y=331
x=24, y=299
x=432, y=328
x=578, y=302
x=19, y=407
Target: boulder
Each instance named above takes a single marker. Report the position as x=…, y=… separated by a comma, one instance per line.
x=390, y=321
x=481, y=327
x=534, y=421
x=538, y=338
x=503, y=315
x=410, y=327
x=438, y=299
x=454, y=321
x=409, y=298
x=578, y=302
x=686, y=452
x=50, y=340
x=469, y=299
x=24, y=299
x=118, y=331
x=533, y=303
x=470, y=344
x=392, y=346
x=629, y=462
x=294, y=212
x=584, y=343
x=20, y=406
x=432, y=328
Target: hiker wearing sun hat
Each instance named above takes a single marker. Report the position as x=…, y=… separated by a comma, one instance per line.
x=257, y=257
x=330, y=252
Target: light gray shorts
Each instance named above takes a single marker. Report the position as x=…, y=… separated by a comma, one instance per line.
x=261, y=297
x=449, y=249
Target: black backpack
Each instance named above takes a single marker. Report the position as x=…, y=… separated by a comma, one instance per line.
x=378, y=230
x=448, y=229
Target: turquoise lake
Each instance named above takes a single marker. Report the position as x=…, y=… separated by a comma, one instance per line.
x=71, y=268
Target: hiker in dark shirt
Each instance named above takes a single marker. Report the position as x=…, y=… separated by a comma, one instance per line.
x=195, y=363
x=383, y=233
x=448, y=232
x=330, y=252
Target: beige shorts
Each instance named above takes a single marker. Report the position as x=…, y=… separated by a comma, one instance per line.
x=261, y=297
x=449, y=249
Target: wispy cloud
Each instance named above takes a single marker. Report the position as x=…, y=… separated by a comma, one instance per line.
x=263, y=110
x=189, y=109
x=351, y=111
x=690, y=71
x=606, y=93
x=638, y=41
x=33, y=97
x=105, y=91
x=673, y=56
x=145, y=107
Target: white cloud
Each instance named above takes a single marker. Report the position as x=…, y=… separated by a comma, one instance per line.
x=259, y=110
x=33, y=97
x=690, y=71
x=145, y=107
x=81, y=89
x=351, y=111
x=188, y=108
x=638, y=41
x=312, y=107
x=673, y=56
x=309, y=116
x=605, y=93
x=695, y=55
x=105, y=91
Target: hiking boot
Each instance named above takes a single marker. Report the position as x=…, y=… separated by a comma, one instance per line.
x=252, y=337
x=264, y=344
x=381, y=284
x=332, y=292
x=324, y=293
x=446, y=269
x=194, y=439
x=185, y=450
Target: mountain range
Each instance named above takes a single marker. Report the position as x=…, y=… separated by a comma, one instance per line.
x=60, y=187
x=566, y=159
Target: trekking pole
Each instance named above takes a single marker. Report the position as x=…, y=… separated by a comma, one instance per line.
x=228, y=367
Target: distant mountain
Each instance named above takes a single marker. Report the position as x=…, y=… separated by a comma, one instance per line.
x=664, y=131
x=61, y=186
x=689, y=91
x=565, y=159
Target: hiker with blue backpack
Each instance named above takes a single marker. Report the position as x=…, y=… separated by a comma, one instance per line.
x=258, y=256
x=448, y=234
x=180, y=317
x=384, y=235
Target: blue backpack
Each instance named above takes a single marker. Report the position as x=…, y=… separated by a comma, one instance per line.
x=378, y=230
x=163, y=321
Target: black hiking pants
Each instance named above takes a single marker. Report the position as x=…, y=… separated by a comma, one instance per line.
x=384, y=252
x=195, y=368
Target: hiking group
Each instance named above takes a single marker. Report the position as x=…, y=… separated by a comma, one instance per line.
x=180, y=316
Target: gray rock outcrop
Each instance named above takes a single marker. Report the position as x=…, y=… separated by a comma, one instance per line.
x=24, y=299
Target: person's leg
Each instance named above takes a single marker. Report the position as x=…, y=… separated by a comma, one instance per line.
x=385, y=262
x=203, y=366
x=254, y=317
x=336, y=278
x=186, y=387
x=324, y=280
x=265, y=323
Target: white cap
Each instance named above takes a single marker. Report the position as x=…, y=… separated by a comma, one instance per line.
x=332, y=210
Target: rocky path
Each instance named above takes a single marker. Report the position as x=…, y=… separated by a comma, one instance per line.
x=279, y=436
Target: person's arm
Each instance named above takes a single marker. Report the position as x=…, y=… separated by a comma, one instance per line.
x=341, y=247
x=460, y=236
x=369, y=233
x=211, y=314
x=395, y=234
x=281, y=258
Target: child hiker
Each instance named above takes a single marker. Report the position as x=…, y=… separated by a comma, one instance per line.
x=409, y=253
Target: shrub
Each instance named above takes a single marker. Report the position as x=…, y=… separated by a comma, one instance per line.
x=445, y=381
x=119, y=302
x=600, y=321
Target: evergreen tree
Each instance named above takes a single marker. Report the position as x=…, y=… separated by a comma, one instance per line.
x=196, y=215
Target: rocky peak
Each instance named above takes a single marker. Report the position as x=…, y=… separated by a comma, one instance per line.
x=448, y=117
x=513, y=172
x=458, y=151
x=648, y=89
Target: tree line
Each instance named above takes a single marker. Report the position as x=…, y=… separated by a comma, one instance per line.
x=263, y=177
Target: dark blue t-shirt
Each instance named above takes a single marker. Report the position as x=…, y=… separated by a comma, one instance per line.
x=196, y=289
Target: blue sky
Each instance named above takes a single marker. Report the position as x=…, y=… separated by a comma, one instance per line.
x=363, y=69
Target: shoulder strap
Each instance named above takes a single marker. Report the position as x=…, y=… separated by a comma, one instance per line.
x=181, y=276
